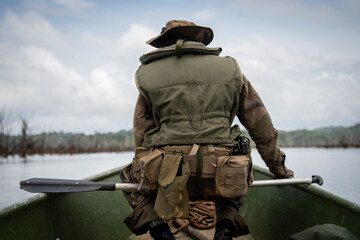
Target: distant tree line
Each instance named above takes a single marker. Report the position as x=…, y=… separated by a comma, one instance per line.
x=328, y=137
x=27, y=143
x=66, y=143
x=71, y=143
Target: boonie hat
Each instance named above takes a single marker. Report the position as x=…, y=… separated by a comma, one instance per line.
x=182, y=29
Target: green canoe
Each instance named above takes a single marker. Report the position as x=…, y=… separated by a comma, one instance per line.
x=271, y=212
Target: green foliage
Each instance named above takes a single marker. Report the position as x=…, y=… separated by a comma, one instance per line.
x=327, y=137
x=122, y=140
x=322, y=137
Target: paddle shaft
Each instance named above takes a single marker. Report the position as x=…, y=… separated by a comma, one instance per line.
x=281, y=182
x=46, y=185
x=259, y=183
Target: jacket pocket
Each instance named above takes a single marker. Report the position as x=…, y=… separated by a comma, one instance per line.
x=233, y=175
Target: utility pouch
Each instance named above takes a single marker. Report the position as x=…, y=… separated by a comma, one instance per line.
x=146, y=165
x=209, y=160
x=233, y=175
x=172, y=200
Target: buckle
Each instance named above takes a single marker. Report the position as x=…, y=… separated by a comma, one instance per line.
x=174, y=152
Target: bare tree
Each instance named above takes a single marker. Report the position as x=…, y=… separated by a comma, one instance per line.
x=26, y=141
x=2, y=135
x=5, y=145
x=41, y=147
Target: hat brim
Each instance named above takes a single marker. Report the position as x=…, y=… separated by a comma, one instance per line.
x=197, y=33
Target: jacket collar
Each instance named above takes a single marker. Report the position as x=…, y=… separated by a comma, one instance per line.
x=187, y=47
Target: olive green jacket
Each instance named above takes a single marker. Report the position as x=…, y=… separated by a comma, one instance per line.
x=193, y=98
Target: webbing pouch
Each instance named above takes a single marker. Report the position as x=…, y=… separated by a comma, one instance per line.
x=150, y=166
x=208, y=162
x=172, y=200
x=233, y=176
x=140, y=152
x=146, y=167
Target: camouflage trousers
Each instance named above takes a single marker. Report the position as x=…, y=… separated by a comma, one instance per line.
x=143, y=205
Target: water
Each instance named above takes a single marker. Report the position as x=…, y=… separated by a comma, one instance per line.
x=79, y=166
x=338, y=167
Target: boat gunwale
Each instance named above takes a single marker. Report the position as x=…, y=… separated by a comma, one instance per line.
x=40, y=197
x=315, y=191
x=318, y=192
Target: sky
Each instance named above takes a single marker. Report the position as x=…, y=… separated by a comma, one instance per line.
x=69, y=65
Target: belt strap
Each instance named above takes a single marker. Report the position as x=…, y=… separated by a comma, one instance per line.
x=194, y=150
x=211, y=150
x=199, y=167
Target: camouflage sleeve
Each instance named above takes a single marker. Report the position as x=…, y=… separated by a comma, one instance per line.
x=143, y=120
x=256, y=119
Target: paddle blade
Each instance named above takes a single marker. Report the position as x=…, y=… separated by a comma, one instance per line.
x=48, y=185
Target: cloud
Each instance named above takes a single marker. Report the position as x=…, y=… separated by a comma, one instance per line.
x=56, y=80
x=298, y=88
x=72, y=8
x=35, y=80
x=29, y=28
x=40, y=86
x=204, y=15
x=77, y=5
x=122, y=50
x=60, y=8
x=300, y=10
x=136, y=36
x=76, y=74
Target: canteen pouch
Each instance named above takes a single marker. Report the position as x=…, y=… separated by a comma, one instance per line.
x=233, y=175
x=172, y=200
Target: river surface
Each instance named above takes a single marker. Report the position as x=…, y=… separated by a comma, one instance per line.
x=339, y=167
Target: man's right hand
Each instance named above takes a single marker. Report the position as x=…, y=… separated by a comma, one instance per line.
x=280, y=170
x=288, y=174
